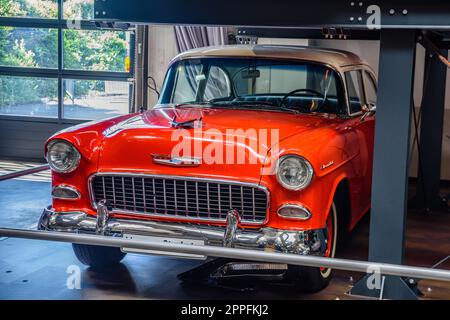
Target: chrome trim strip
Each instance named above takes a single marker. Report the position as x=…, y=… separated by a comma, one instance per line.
x=175, y=195
x=253, y=203
x=208, y=200
x=114, y=192
x=143, y=194
x=123, y=194
x=186, y=204
x=68, y=187
x=154, y=192
x=196, y=197
x=231, y=196
x=164, y=194
x=218, y=197
x=176, y=162
x=104, y=188
x=134, y=195
x=184, y=178
x=242, y=200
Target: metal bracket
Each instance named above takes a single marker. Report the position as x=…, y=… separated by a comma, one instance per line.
x=391, y=288
x=246, y=39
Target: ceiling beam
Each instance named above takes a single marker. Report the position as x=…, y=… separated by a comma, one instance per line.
x=411, y=14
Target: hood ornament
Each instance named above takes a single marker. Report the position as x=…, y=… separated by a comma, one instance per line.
x=176, y=161
x=189, y=124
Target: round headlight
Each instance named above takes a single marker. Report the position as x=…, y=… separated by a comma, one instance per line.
x=62, y=156
x=294, y=172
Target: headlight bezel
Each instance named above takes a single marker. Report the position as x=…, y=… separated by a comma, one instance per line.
x=75, y=151
x=309, y=170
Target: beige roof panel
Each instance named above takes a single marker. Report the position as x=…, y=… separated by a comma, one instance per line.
x=333, y=57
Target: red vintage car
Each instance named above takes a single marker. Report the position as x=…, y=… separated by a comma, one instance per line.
x=257, y=147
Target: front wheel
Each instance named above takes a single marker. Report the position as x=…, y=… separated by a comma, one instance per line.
x=312, y=279
x=97, y=256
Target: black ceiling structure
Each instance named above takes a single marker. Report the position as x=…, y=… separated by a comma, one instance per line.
x=402, y=23
x=432, y=14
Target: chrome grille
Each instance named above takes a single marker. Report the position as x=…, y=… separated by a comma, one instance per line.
x=180, y=197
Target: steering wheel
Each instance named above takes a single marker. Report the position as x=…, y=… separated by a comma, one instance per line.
x=287, y=95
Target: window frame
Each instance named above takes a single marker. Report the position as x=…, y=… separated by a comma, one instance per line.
x=367, y=74
x=60, y=73
x=168, y=83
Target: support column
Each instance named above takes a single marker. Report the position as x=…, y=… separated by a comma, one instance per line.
x=141, y=70
x=390, y=166
x=431, y=130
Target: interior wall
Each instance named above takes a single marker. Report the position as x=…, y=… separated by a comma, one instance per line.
x=162, y=49
x=295, y=42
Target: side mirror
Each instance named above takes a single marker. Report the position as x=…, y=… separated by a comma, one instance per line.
x=367, y=109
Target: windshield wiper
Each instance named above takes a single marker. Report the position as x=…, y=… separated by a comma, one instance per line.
x=266, y=105
x=192, y=103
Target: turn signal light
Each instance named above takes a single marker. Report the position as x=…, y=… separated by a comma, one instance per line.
x=65, y=192
x=294, y=211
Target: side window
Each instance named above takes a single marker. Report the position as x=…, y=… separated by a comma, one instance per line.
x=371, y=89
x=354, y=90
x=218, y=85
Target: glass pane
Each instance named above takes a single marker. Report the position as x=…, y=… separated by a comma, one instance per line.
x=371, y=90
x=95, y=99
x=95, y=50
x=355, y=90
x=29, y=8
x=187, y=81
x=78, y=9
x=28, y=47
x=218, y=84
x=305, y=87
x=28, y=96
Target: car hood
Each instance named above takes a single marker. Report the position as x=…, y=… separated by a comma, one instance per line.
x=202, y=141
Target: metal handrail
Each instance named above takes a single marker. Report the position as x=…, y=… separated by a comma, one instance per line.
x=235, y=253
x=24, y=172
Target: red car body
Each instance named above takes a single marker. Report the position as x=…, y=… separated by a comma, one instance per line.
x=348, y=144
x=339, y=149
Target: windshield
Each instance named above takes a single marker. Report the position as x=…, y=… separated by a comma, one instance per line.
x=253, y=83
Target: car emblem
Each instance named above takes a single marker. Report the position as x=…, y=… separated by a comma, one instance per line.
x=329, y=164
x=176, y=161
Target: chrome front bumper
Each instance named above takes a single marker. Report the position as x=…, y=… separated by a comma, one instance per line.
x=310, y=242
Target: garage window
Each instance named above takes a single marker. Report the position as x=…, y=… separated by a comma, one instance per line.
x=29, y=8
x=29, y=96
x=94, y=99
x=79, y=10
x=29, y=47
x=56, y=64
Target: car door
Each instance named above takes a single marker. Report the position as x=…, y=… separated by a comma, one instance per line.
x=361, y=91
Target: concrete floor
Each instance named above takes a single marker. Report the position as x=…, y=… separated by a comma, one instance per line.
x=32, y=269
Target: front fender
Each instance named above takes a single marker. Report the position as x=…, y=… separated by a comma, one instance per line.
x=87, y=138
x=333, y=153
